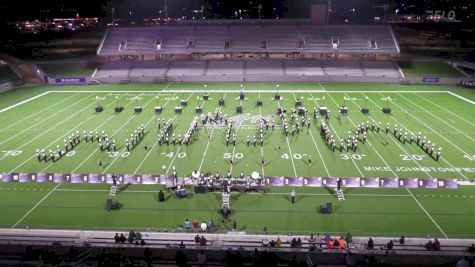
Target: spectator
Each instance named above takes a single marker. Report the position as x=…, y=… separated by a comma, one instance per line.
x=311, y=239
x=179, y=229
x=265, y=242
x=197, y=239
x=299, y=242
x=117, y=238
x=278, y=242
x=330, y=244
x=202, y=241
x=313, y=247
x=349, y=259
x=326, y=238
x=429, y=245
x=182, y=245
x=204, y=227
x=131, y=236
x=402, y=240
x=138, y=236
x=293, y=243
x=436, y=245
x=390, y=245
x=471, y=248
x=272, y=243
x=349, y=238
x=342, y=243
x=187, y=225
x=202, y=259
x=195, y=225
x=210, y=225
x=122, y=238
x=370, y=244
x=463, y=262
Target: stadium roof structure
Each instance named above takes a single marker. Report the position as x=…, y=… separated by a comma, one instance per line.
x=278, y=38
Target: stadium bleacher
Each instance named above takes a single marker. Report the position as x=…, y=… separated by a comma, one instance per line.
x=248, y=38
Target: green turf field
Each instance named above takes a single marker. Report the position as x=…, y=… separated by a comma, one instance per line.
x=428, y=68
x=45, y=121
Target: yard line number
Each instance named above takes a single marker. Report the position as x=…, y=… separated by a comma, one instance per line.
x=411, y=157
x=347, y=156
x=295, y=156
x=230, y=155
x=174, y=155
x=115, y=154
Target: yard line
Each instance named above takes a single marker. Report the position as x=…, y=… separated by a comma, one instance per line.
x=180, y=146
x=427, y=213
x=262, y=149
x=90, y=117
x=432, y=129
x=338, y=136
x=50, y=129
x=209, y=141
x=453, y=127
x=369, y=143
x=24, y=101
x=34, y=207
x=36, y=113
x=94, y=152
x=104, y=122
x=453, y=113
x=290, y=151
x=318, y=150
x=234, y=147
x=155, y=143
x=42, y=120
x=256, y=91
x=420, y=205
x=148, y=122
x=446, y=161
x=461, y=97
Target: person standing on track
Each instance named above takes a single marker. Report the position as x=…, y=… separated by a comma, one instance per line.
x=292, y=196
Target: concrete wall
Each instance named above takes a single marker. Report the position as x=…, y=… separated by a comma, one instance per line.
x=7, y=86
x=442, y=80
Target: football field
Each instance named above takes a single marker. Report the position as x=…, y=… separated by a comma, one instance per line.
x=45, y=117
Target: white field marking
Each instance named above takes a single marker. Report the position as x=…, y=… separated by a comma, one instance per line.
x=34, y=207
x=249, y=91
x=154, y=144
x=94, y=152
x=23, y=102
x=315, y=143
x=427, y=213
x=432, y=114
x=180, y=146
x=50, y=129
x=290, y=151
x=262, y=149
x=321, y=86
x=453, y=113
x=36, y=113
x=433, y=130
x=406, y=152
x=209, y=141
x=338, y=136
x=369, y=143
x=420, y=205
x=95, y=129
x=146, y=125
x=461, y=97
x=42, y=120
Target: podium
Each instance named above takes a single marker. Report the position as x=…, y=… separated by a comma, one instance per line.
x=365, y=110
x=221, y=102
x=178, y=110
x=387, y=110
x=344, y=110
x=138, y=109
x=198, y=110
x=158, y=109
x=184, y=102
x=277, y=97
x=241, y=96
x=298, y=102
x=239, y=109
x=119, y=109
x=259, y=102
x=99, y=109
x=326, y=208
x=323, y=110
x=205, y=97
